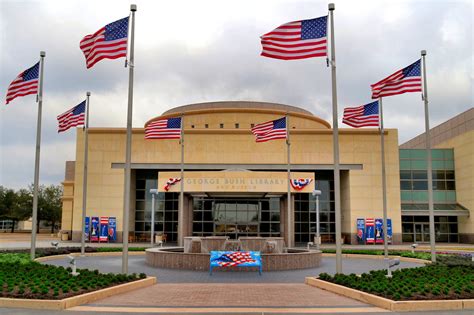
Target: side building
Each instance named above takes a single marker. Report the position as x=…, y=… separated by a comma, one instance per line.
x=453, y=182
x=232, y=185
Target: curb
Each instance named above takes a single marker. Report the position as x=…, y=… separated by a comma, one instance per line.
x=78, y=299
x=395, y=306
x=54, y=257
x=380, y=257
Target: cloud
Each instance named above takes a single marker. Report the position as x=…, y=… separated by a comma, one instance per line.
x=191, y=52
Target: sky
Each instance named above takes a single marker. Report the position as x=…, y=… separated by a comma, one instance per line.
x=201, y=51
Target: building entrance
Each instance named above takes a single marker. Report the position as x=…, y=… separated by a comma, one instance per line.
x=236, y=217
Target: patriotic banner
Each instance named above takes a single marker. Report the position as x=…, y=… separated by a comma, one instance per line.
x=87, y=226
x=297, y=40
x=24, y=84
x=361, y=231
x=271, y=130
x=104, y=229
x=94, y=229
x=379, y=231
x=299, y=184
x=405, y=80
x=112, y=229
x=370, y=231
x=110, y=42
x=389, y=231
x=171, y=182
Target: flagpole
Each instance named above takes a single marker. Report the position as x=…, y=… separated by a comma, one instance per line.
x=384, y=182
x=128, y=153
x=335, y=134
x=37, y=158
x=288, y=197
x=181, y=193
x=428, y=157
x=84, y=180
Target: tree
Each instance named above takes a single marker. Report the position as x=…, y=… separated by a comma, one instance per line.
x=50, y=205
x=14, y=206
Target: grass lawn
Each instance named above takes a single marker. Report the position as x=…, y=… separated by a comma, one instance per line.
x=22, y=278
x=451, y=278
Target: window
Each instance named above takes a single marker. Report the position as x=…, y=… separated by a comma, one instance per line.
x=237, y=126
x=221, y=126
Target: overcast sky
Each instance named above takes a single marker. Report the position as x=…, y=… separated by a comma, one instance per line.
x=200, y=51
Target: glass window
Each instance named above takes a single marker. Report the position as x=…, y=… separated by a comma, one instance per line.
x=420, y=185
x=450, y=185
x=418, y=165
x=404, y=154
x=449, y=174
x=438, y=165
x=420, y=175
x=439, y=195
x=405, y=185
x=437, y=154
x=405, y=164
x=438, y=175
x=418, y=154
x=451, y=195
x=406, y=195
x=405, y=175
x=439, y=185
x=449, y=165
x=449, y=154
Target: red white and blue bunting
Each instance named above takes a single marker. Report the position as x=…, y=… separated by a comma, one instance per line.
x=300, y=183
x=171, y=182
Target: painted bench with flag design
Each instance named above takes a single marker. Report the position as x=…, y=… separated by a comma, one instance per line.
x=235, y=259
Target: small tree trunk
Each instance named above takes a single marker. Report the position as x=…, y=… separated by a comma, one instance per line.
x=38, y=226
x=52, y=226
x=13, y=226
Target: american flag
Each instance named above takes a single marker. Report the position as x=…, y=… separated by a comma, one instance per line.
x=170, y=182
x=72, y=118
x=234, y=259
x=109, y=42
x=362, y=116
x=405, y=80
x=297, y=40
x=169, y=128
x=271, y=130
x=24, y=84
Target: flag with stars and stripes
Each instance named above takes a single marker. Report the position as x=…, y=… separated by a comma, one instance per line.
x=72, y=118
x=405, y=80
x=271, y=130
x=169, y=128
x=362, y=116
x=24, y=84
x=297, y=40
x=110, y=42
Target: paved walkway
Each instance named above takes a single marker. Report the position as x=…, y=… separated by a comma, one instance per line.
x=137, y=265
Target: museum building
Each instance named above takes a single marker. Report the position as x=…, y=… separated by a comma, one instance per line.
x=234, y=186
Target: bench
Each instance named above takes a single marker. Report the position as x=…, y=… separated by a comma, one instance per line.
x=235, y=259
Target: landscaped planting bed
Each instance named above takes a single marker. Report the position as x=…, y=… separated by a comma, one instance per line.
x=408, y=254
x=433, y=282
x=22, y=278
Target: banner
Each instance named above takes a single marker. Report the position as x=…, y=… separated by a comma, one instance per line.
x=87, y=227
x=361, y=231
x=369, y=231
x=94, y=229
x=112, y=229
x=389, y=231
x=104, y=229
x=379, y=231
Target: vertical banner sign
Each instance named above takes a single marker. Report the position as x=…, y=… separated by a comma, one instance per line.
x=361, y=231
x=369, y=231
x=104, y=229
x=112, y=229
x=87, y=227
x=389, y=231
x=94, y=229
x=379, y=231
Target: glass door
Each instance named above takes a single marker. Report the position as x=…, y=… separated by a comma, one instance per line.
x=422, y=232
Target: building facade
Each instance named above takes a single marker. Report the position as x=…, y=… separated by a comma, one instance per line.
x=234, y=186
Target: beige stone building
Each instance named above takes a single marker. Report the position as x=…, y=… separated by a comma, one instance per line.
x=232, y=185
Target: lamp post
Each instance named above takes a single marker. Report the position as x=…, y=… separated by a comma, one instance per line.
x=317, y=193
x=153, y=192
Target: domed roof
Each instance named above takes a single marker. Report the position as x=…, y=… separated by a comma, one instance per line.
x=236, y=104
